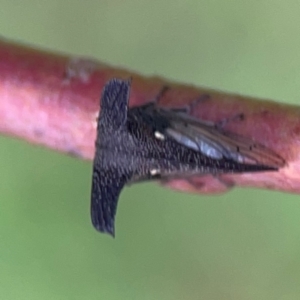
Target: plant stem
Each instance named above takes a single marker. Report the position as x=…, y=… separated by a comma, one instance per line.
x=53, y=100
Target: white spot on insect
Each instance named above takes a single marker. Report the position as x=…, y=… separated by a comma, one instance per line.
x=154, y=172
x=159, y=135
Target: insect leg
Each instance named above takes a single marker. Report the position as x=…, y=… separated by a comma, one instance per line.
x=189, y=108
x=160, y=95
x=201, y=184
x=222, y=183
x=225, y=181
x=222, y=123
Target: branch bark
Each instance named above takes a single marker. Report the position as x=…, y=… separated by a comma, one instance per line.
x=53, y=100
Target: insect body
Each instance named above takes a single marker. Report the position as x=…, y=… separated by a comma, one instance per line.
x=148, y=142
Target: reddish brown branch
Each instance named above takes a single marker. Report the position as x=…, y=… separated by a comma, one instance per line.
x=53, y=100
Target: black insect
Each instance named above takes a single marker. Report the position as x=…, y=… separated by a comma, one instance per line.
x=148, y=142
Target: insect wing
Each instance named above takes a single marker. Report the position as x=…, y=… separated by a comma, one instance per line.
x=216, y=143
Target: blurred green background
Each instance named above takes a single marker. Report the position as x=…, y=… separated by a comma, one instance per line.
x=242, y=245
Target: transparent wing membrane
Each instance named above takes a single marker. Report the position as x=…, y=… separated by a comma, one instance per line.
x=216, y=143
